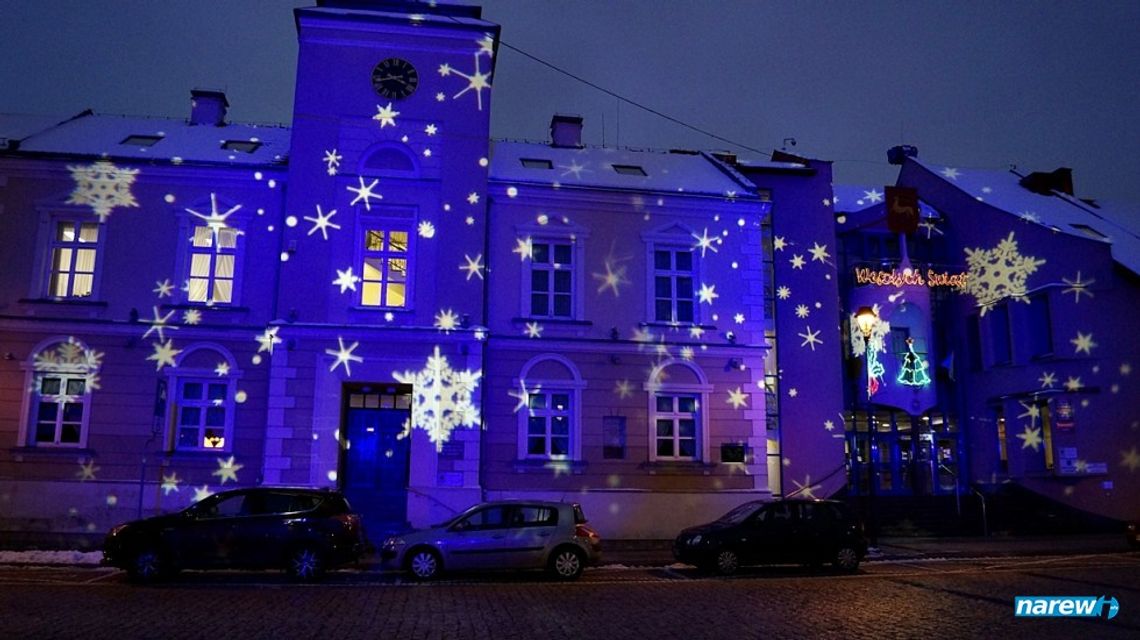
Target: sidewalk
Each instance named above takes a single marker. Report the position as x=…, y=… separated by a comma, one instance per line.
x=660, y=552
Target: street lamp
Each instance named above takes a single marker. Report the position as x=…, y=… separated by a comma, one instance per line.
x=866, y=318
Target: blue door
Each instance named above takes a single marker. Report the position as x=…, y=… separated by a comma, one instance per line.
x=375, y=478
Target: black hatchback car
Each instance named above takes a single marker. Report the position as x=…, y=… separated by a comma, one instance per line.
x=303, y=531
x=810, y=532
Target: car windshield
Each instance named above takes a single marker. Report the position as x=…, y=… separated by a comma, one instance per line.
x=738, y=514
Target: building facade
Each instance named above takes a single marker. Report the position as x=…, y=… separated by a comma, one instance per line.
x=380, y=299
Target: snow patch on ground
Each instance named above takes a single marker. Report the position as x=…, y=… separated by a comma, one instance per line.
x=51, y=557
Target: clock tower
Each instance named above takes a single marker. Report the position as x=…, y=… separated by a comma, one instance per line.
x=386, y=203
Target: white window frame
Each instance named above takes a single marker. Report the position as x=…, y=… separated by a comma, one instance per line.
x=34, y=372
x=572, y=386
x=672, y=237
x=700, y=390
x=188, y=225
x=548, y=413
x=179, y=375
x=387, y=220
x=50, y=212
x=555, y=232
x=75, y=246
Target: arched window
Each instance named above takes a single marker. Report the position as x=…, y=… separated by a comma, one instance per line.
x=678, y=419
x=549, y=427
x=388, y=159
x=63, y=372
x=201, y=392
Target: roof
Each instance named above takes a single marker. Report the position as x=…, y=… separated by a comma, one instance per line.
x=97, y=135
x=618, y=169
x=848, y=198
x=1061, y=212
x=15, y=127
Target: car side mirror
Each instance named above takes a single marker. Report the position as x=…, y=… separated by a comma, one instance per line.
x=462, y=525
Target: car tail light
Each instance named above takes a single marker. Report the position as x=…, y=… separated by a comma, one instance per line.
x=351, y=521
x=584, y=531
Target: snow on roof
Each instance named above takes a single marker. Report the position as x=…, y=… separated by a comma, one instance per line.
x=167, y=140
x=623, y=169
x=1059, y=211
x=849, y=198
x=14, y=127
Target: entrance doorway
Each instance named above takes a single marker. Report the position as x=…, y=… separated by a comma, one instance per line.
x=902, y=454
x=374, y=460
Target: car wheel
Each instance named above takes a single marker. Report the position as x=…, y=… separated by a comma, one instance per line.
x=726, y=562
x=146, y=566
x=846, y=559
x=566, y=563
x=305, y=563
x=424, y=564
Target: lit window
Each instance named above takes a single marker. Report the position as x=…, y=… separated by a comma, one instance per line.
x=63, y=376
x=548, y=425
x=203, y=414
x=138, y=140
x=244, y=146
x=213, y=264
x=384, y=279
x=676, y=421
x=74, y=250
x=552, y=280
x=673, y=271
x=629, y=170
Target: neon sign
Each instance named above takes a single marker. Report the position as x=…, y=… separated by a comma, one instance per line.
x=908, y=277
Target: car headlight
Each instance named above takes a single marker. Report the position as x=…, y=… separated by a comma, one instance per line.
x=117, y=530
x=695, y=540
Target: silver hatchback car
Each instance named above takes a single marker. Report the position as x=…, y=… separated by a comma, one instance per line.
x=500, y=535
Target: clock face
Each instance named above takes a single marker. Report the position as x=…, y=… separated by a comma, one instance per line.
x=395, y=78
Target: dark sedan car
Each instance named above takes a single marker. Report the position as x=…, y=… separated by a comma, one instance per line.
x=782, y=532
x=303, y=531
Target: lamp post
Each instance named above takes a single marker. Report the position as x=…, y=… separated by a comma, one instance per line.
x=866, y=318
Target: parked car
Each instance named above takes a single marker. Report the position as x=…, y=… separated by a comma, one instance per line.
x=303, y=531
x=1132, y=534
x=500, y=535
x=786, y=531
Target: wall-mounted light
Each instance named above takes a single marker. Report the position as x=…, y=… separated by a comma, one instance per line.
x=730, y=336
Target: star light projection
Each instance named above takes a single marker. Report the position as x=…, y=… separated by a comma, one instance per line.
x=216, y=220
x=344, y=356
x=322, y=221
x=477, y=81
x=999, y=273
x=102, y=186
x=442, y=399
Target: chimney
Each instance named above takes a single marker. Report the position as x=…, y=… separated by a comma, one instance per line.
x=208, y=107
x=566, y=131
x=1045, y=183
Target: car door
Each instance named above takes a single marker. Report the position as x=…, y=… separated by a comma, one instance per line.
x=530, y=535
x=479, y=540
x=206, y=536
x=772, y=534
x=261, y=531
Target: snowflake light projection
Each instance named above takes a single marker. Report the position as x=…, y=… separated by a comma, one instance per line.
x=999, y=273
x=102, y=186
x=442, y=398
x=68, y=357
x=476, y=82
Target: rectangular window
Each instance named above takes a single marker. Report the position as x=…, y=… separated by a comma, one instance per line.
x=613, y=437
x=60, y=406
x=552, y=280
x=974, y=342
x=1040, y=327
x=384, y=279
x=244, y=146
x=548, y=425
x=213, y=264
x=1003, y=451
x=74, y=249
x=140, y=140
x=629, y=170
x=536, y=163
x=675, y=421
x=999, y=335
x=203, y=414
x=673, y=275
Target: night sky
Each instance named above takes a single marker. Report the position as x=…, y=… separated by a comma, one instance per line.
x=971, y=84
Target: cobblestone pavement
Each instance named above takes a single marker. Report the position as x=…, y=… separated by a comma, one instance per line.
x=896, y=599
